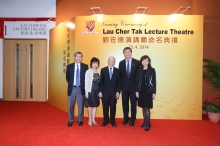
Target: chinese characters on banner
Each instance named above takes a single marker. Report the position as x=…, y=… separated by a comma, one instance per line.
x=66, y=52
x=140, y=40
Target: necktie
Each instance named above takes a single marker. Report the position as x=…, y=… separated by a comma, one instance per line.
x=110, y=73
x=128, y=70
x=77, y=77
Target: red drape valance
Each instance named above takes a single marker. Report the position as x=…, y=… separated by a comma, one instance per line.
x=1, y=29
x=27, y=19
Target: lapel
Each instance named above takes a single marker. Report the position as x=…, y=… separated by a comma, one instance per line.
x=113, y=75
x=107, y=73
x=80, y=71
x=73, y=70
x=132, y=66
x=148, y=70
x=124, y=67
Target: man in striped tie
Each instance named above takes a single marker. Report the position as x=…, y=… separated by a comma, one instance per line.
x=75, y=76
x=128, y=69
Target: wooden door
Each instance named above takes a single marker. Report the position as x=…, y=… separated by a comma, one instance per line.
x=12, y=62
x=25, y=70
x=36, y=70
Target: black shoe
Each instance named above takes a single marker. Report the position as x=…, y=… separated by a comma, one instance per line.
x=80, y=123
x=70, y=124
x=104, y=124
x=147, y=128
x=114, y=124
x=131, y=123
x=125, y=122
x=143, y=125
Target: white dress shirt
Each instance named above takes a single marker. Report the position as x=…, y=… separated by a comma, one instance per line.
x=126, y=62
x=75, y=72
x=109, y=69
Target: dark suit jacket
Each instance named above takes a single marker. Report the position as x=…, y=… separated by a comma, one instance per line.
x=150, y=80
x=70, y=70
x=109, y=87
x=125, y=81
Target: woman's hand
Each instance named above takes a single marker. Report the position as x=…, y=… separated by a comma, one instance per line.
x=100, y=94
x=87, y=95
x=117, y=95
x=154, y=96
x=137, y=94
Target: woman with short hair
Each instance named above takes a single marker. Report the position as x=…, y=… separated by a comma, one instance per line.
x=92, y=78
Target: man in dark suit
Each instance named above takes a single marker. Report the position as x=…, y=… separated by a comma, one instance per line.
x=128, y=69
x=109, y=91
x=75, y=76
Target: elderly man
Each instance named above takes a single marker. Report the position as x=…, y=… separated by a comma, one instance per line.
x=109, y=90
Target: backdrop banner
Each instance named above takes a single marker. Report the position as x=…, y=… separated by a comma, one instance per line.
x=173, y=42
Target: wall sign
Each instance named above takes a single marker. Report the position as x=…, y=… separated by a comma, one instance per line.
x=30, y=29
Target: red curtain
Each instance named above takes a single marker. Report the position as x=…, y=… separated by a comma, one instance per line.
x=1, y=29
x=27, y=19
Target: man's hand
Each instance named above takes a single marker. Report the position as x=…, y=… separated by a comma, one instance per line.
x=87, y=95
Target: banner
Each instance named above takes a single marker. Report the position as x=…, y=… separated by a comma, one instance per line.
x=174, y=44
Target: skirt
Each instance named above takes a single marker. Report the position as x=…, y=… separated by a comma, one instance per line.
x=93, y=100
x=145, y=98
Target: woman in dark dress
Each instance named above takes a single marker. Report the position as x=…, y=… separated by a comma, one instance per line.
x=92, y=78
x=146, y=89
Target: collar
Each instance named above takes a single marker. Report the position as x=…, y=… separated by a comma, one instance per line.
x=128, y=60
x=77, y=64
x=110, y=67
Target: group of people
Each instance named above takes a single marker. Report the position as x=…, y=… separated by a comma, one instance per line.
x=136, y=80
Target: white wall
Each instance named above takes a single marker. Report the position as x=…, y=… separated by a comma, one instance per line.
x=28, y=8
x=24, y=9
x=1, y=68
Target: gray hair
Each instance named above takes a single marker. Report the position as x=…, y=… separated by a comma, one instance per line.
x=78, y=53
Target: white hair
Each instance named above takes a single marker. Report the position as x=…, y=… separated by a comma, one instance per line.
x=111, y=57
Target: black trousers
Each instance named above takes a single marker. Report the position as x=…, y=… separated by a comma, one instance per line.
x=126, y=95
x=109, y=102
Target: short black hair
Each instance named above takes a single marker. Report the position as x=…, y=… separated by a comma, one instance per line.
x=143, y=58
x=94, y=59
x=127, y=48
